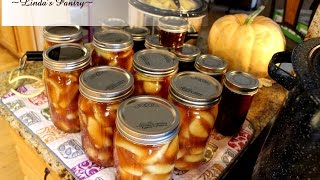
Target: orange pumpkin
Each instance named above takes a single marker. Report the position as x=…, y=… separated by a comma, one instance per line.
x=247, y=43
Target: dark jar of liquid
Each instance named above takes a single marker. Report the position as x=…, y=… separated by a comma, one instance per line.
x=186, y=56
x=237, y=95
x=172, y=31
x=139, y=35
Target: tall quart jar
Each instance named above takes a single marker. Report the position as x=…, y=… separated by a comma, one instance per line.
x=102, y=89
x=196, y=96
x=112, y=48
x=61, y=34
x=152, y=71
x=63, y=64
x=146, y=139
x=172, y=31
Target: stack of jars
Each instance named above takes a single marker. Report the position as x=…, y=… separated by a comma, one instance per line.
x=146, y=111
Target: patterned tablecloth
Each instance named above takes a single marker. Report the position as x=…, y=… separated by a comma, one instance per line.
x=33, y=113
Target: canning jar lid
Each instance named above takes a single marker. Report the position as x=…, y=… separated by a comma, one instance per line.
x=138, y=33
x=62, y=34
x=241, y=82
x=210, y=64
x=66, y=57
x=173, y=24
x=113, y=23
x=112, y=40
x=155, y=62
x=152, y=42
x=187, y=52
x=148, y=120
x=195, y=89
x=106, y=83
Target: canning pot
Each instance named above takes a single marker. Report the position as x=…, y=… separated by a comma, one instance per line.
x=143, y=14
x=292, y=147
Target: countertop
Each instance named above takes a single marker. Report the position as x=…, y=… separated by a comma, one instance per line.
x=265, y=106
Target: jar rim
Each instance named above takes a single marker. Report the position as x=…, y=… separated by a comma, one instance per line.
x=241, y=82
x=112, y=40
x=210, y=64
x=57, y=34
x=173, y=24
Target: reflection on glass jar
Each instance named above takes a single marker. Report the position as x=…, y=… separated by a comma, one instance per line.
x=61, y=34
x=186, y=56
x=238, y=92
x=172, y=31
x=146, y=141
x=63, y=65
x=139, y=35
x=196, y=96
x=152, y=71
x=102, y=89
x=112, y=48
x=211, y=65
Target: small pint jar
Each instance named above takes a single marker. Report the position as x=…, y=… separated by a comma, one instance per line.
x=196, y=96
x=152, y=42
x=152, y=71
x=238, y=92
x=172, y=31
x=102, y=89
x=63, y=64
x=112, y=48
x=61, y=34
x=211, y=65
x=146, y=139
x=139, y=35
x=186, y=56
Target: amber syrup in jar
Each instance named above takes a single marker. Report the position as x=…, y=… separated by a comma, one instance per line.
x=186, y=56
x=102, y=89
x=238, y=92
x=196, y=96
x=61, y=34
x=63, y=65
x=172, y=31
x=112, y=48
x=146, y=140
x=139, y=35
x=211, y=65
x=152, y=71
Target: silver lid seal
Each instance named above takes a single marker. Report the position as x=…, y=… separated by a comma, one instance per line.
x=195, y=89
x=241, y=82
x=210, y=64
x=152, y=42
x=138, y=33
x=66, y=57
x=155, y=62
x=106, y=83
x=148, y=120
x=62, y=34
x=112, y=40
x=187, y=53
x=173, y=24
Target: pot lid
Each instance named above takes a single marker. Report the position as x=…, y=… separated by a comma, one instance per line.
x=306, y=63
x=189, y=8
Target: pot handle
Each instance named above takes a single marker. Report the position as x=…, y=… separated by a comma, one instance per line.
x=281, y=76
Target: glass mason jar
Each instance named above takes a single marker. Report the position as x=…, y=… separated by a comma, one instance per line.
x=102, y=89
x=61, y=34
x=112, y=48
x=196, y=96
x=152, y=71
x=172, y=31
x=63, y=64
x=139, y=35
x=152, y=42
x=146, y=139
x=186, y=56
x=237, y=95
x=211, y=65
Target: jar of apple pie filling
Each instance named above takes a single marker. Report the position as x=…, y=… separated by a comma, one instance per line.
x=61, y=34
x=146, y=139
x=172, y=31
x=196, y=96
x=63, y=64
x=112, y=48
x=102, y=89
x=152, y=71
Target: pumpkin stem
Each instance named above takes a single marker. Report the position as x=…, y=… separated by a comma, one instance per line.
x=253, y=15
